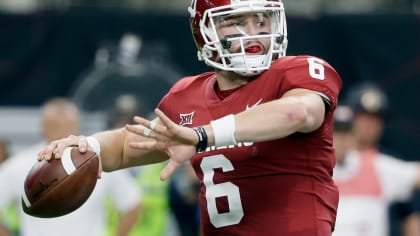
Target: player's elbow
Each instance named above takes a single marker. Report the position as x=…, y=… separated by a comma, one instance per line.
x=302, y=118
x=298, y=115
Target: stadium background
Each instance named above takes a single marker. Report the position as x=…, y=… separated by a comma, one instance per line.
x=42, y=54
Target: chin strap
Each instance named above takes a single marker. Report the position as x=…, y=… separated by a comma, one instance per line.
x=250, y=63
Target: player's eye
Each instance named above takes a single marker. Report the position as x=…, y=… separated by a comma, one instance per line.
x=230, y=23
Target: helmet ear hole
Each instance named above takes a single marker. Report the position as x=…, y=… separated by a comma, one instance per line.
x=280, y=39
x=225, y=43
x=208, y=54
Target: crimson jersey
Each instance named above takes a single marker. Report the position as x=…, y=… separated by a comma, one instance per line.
x=279, y=187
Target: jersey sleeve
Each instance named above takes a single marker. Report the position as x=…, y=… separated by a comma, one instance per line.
x=314, y=74
x=167, y=102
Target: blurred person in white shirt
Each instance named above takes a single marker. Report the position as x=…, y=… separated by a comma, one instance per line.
x=369, y=180
x=60, y=118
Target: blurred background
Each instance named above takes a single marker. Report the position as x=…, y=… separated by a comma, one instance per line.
x=115, y=58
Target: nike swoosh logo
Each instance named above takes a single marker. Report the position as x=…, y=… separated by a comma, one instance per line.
x=250, y=107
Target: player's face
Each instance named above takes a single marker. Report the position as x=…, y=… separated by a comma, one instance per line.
x=242, y=25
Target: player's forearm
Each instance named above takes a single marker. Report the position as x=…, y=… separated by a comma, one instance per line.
x=270, y=121
x=277, y=119
x=116, y=153
x=112, y=145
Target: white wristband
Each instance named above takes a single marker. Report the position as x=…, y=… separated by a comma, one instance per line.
x=224, y=131
x=94, y=144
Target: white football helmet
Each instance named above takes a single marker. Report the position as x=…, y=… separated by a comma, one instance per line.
x=205, y=14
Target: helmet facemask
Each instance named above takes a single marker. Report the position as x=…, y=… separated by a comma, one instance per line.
x=217, y=52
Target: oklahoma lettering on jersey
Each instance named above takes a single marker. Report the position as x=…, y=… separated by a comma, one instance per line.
x=267, y=188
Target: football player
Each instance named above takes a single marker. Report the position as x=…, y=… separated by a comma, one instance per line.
x=257, y=129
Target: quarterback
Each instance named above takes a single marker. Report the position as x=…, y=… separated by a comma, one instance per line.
x=257, y=129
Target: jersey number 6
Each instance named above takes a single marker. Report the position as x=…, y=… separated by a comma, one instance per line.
x=316, y=68
x=227, y=189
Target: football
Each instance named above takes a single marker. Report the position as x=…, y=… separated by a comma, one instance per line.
x=59, y=186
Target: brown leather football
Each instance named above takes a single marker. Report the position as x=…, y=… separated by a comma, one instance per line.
x=59, y=186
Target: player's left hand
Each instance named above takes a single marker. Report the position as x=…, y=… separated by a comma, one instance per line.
x=175, y=140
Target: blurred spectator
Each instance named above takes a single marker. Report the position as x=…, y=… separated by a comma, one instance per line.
x=126, y=73
x=125, y=108
x=343, y=140
x=60, y=118
x=368, y=179
x=130, y=81
x=155, y=216
x=181, y=191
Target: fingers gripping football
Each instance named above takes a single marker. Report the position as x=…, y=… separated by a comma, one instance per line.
x=56, y=148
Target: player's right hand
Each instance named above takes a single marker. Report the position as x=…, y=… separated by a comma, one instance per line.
x=177, y=141
x=56, y=148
